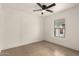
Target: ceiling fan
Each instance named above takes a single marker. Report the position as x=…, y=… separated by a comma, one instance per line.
x=45, y=8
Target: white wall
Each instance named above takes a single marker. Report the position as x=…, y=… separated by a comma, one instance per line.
x=20, y=28
x=71, y=17
x=1, y=27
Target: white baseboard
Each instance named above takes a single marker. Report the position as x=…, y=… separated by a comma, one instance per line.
x=62, y=45
x=22, y=44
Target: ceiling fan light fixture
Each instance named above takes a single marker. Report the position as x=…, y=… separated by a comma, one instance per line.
x=43, y=10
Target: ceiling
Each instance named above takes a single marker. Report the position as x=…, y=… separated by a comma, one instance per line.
x=29, y=7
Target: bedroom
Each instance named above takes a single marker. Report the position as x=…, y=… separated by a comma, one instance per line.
x=26, y=32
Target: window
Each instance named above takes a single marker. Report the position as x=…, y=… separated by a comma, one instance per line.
x=59, y=28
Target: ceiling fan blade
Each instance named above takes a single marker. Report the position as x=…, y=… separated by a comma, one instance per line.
x=51, y=5
x=39, y=5
x=49, y=11
x=38, y=10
